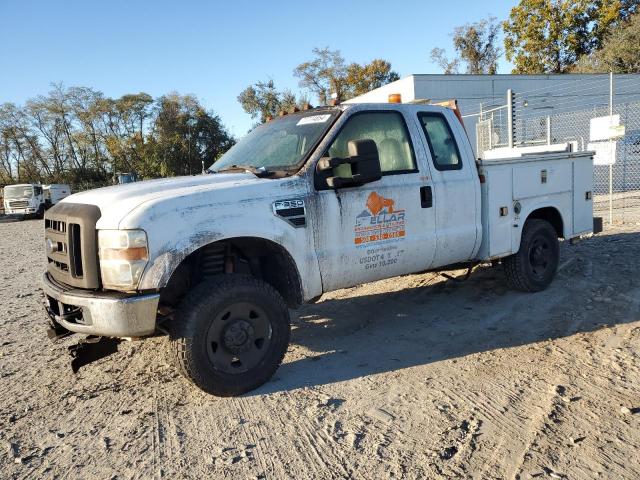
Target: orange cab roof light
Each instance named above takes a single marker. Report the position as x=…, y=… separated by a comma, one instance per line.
x=395, y=98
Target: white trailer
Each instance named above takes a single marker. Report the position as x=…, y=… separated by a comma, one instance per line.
x=55, y=192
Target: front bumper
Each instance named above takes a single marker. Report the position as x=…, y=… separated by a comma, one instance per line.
x=110, y=314
x=20, y=211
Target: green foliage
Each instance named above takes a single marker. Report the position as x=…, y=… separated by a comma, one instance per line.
x=325, y=75
x=328, y=75
x=262, y=100
x=361, y=79
x=77, y=135
x=549, y=36
x=475, y=47
x=185, y=135
x=619, y=54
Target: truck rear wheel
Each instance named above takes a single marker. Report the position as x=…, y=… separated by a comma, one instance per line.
x=230, y=334
x=534, y=266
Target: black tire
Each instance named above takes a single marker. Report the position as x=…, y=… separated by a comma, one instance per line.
x=533, y=268
x=230, y=334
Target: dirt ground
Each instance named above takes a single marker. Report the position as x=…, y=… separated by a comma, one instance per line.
x=414, y=377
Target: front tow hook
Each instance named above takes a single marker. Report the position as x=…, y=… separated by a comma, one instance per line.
x=90, y=349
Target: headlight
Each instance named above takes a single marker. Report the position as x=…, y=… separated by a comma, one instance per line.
x=123, y=256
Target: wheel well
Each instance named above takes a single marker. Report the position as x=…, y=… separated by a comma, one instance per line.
x=551, y=215
x=256, y=256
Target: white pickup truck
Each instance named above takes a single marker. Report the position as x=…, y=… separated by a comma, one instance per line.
x=305, y=204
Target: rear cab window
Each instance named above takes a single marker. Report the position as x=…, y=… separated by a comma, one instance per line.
x=442, y=144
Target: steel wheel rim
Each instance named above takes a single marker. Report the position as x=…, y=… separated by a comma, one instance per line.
x=238, y=338
x=539, y=256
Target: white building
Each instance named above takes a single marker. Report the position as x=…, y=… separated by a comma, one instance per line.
x=539, y=94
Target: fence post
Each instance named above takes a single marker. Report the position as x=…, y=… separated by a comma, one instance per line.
x=510, y=117
x=548, y=129
x=610, y=149
x=478, y=140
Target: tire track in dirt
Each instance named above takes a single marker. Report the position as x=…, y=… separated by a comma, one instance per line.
x=258, y=436
x=315, y=447
x=87, y=416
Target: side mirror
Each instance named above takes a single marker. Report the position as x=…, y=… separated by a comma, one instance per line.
x=364, y=162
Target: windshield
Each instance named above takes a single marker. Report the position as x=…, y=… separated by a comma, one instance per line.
x=18, y=191
x=280, y=144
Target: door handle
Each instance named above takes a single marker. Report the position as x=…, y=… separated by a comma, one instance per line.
x=426, y=197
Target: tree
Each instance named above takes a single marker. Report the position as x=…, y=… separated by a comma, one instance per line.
x=262, y=100
x=184, y=136
x=364, y=78
x=475, y=46
x=77, y=135
x=328, y=76
x=439, y=57
x=619, y=54
x=549, y=36
x=325, y=75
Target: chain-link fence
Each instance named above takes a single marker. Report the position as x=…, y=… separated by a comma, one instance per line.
x=560, y=114
x=492, y=128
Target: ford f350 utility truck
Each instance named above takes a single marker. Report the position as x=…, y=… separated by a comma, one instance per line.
x=305, y=204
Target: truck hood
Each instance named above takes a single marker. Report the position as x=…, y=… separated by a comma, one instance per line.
x=117, y=201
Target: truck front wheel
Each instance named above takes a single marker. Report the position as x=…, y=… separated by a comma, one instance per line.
x=534, y=266
x=230, y=334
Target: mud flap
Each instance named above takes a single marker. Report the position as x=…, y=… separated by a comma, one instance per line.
x=91, y=349
x=597, y=225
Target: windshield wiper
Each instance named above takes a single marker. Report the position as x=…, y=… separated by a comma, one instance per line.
x=257, y=171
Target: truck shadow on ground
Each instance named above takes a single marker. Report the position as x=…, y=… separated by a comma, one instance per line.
x=367, y=334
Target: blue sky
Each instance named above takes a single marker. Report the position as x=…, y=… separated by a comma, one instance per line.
x=213, y=49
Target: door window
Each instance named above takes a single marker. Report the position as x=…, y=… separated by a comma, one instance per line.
x=442, y=144
x=388, y=130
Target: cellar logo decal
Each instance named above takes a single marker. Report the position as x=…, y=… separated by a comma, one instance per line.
x=381, y=221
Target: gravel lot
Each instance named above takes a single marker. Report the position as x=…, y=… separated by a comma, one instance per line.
x=414, y=377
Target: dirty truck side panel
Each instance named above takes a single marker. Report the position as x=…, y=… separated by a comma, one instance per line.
x=177, y=227
x=456, y=195
x=517, y=187
x=380, y=229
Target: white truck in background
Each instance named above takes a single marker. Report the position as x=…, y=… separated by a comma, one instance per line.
x=54, y=193
x=305, y=204
x=30, y=199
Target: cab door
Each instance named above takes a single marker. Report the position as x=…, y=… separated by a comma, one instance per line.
x=384, y=228
x=456, y=186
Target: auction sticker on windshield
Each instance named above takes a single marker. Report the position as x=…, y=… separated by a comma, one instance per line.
x=314, y=119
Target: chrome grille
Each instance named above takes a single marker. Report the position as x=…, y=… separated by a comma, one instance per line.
x=71, y=244
x=18, y=204
x=55, y=225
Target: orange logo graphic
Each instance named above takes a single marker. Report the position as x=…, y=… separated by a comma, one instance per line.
x=381, y=221
x=375, y=203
